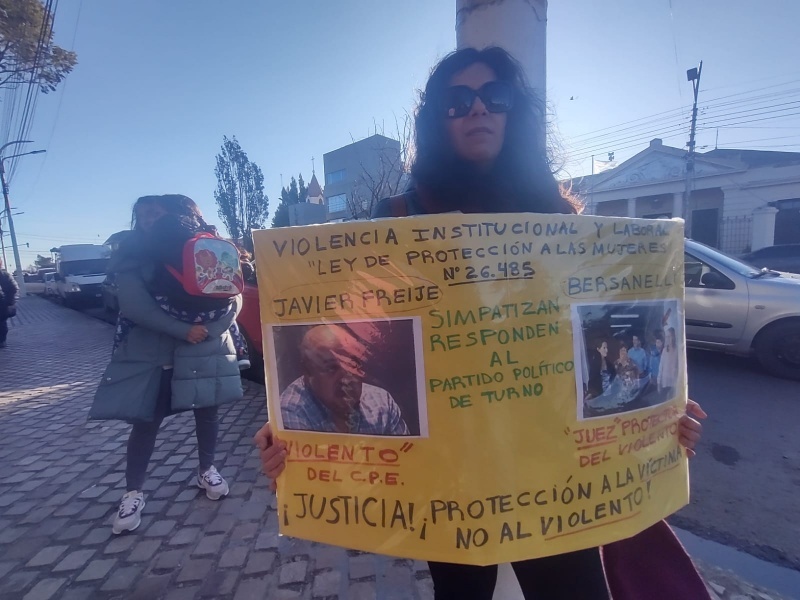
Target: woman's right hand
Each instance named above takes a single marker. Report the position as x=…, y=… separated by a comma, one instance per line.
x=272, y=452
x=197, y=333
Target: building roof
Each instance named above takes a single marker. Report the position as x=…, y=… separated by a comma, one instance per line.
x=756, y=158
x=314, y=189
x=723, y=158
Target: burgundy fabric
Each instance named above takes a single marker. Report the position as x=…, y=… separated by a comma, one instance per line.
x=652, y=565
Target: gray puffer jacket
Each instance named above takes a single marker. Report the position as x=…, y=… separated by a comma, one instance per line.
x=204, y=374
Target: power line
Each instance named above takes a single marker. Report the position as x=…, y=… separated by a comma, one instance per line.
x=665, y=127
x=708, y=104
x=62, y=91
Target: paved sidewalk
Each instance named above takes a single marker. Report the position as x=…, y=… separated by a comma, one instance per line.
x=63, y=478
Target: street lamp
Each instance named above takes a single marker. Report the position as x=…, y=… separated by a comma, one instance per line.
x=17, y=261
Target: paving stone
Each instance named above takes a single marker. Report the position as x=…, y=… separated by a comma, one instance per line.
x=122, y=578
x=183, y=593
x=261, y=562
x=160, y=528
x=44, y=589
x=363, y=591
x=97, y=569
x=150, y=587
x=219, y=584
x=362, y=566
x=73, y=532
x=254, y=589
x=293, y=572
x=195, y=569
x=95, y=512
x=184, y=536
x=121, y=543
x=187, y=495
x=209, y=545
x=97, y=536
x=234, y=557
x=327, y=583
x=6, y=567
x=244, y=532
x=169, y=560
x=74, y=560
x=47, y=556
x=267, y=540
x=10, y=535
x=12, y=585
x=74, y=592
x=221, y=524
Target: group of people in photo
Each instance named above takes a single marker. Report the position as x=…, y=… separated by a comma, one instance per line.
x=623, y=370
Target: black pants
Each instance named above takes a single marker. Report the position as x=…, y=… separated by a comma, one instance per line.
x=142, y=440
x=572, y=576
x=3, y=327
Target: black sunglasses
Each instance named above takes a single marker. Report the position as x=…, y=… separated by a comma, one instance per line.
x=497, y=97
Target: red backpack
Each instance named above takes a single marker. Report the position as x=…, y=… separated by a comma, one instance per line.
x=211, y=268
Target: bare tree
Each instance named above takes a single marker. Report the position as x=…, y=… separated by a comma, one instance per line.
x=385, y=172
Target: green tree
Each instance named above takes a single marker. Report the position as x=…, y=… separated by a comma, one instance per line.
x=43, y=262
x=27, y=52
x=294, y=194
x=241, y=202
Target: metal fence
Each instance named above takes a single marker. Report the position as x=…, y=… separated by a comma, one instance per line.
x=736, y=234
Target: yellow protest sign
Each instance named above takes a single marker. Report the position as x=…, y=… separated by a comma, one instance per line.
x=475, y=388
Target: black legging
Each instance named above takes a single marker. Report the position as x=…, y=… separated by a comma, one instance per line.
x=142, y=440
x=572, y=576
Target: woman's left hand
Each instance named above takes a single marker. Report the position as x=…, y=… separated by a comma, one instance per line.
x=689, y=429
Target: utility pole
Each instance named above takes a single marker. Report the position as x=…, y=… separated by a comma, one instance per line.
x=692, y=75
x=9, y=216
x=518, y=26
x=17, y=261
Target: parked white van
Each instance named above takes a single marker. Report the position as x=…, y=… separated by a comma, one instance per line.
x=80, y=270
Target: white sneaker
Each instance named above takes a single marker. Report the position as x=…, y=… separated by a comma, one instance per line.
x=129, y=515
x=213, y=483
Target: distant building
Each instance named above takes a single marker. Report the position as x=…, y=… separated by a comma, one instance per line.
x=314, y=194
x=741, y=200
x=360, y=174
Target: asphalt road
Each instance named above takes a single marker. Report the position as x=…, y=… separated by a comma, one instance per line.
x=746, y=477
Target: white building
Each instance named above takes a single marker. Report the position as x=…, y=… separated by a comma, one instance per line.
x=741, y=200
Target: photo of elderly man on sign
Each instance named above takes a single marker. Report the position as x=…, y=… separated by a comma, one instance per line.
x=331, y=382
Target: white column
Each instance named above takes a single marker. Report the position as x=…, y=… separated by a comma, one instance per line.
x=518, y=26
x=677, y=205
x=763, y=227
x=631, y=207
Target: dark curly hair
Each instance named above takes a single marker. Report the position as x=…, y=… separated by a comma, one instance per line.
x=177, y=205
x=521, y=180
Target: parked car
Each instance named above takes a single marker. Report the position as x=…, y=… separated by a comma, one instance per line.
x=34, y=283
x=736, y=308
x=109, y=292
x=783, y=257
x=50, y=287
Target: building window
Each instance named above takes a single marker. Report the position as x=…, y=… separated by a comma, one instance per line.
x=337, y=203
x=335, y=176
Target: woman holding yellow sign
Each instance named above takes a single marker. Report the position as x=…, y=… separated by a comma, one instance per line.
x=480, y=149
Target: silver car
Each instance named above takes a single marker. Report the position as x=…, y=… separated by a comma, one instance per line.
x=735, y=308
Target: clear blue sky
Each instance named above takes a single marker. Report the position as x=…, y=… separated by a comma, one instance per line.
x=159, y=83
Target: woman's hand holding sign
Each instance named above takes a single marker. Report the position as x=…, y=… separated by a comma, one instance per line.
x=272, y=452
x=689, y=429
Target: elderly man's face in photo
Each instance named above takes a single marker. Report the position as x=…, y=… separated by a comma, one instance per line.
x=333, y=367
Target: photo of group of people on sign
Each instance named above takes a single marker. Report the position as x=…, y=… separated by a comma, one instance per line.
x=628, y=354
